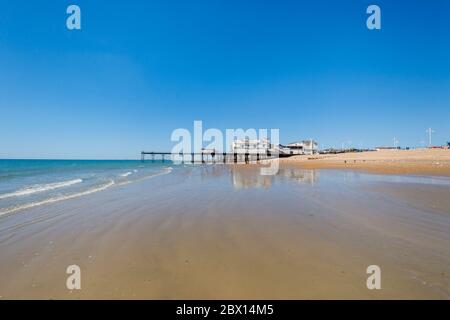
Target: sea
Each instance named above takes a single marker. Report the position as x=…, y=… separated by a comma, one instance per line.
x=28, y=183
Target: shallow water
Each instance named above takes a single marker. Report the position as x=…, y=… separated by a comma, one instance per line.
x=29, y=183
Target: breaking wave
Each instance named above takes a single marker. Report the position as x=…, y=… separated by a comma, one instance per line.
x=40, y=188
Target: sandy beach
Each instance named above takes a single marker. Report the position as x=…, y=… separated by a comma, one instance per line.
x=419, y=161
x=224, y=232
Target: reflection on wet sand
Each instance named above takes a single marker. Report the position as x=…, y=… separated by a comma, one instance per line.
x=250, y=177
x=299, y=175
x=245, y=179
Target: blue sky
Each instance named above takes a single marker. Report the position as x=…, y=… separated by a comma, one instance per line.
x=140, y=69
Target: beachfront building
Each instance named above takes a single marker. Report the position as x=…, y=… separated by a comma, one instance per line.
x=386, y=148
x=250, y=146
x=302, y=147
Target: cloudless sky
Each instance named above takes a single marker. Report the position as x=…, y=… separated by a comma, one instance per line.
x=140, y=69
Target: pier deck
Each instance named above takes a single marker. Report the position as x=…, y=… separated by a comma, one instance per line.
x=210, y=157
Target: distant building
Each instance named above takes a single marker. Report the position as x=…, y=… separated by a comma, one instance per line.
x=250, y=146
x=387, y=148
x=302, y=147
x=264, y=146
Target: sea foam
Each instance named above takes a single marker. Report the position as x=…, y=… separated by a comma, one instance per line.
x=40, y=188
x=126, y=174
x=56, y=199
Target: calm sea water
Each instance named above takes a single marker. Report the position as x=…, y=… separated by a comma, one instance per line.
x=29, y=183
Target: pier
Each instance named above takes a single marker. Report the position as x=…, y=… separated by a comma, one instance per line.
x=211, y=157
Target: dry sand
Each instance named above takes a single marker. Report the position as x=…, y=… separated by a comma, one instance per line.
x=213, y=232
x=420, y=161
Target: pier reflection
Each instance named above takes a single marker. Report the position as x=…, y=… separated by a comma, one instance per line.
x=299, y=175
x=245, y=177
x=251, y=178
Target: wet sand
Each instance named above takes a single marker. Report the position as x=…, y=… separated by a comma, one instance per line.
x=222, y=232
x=421, y=161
